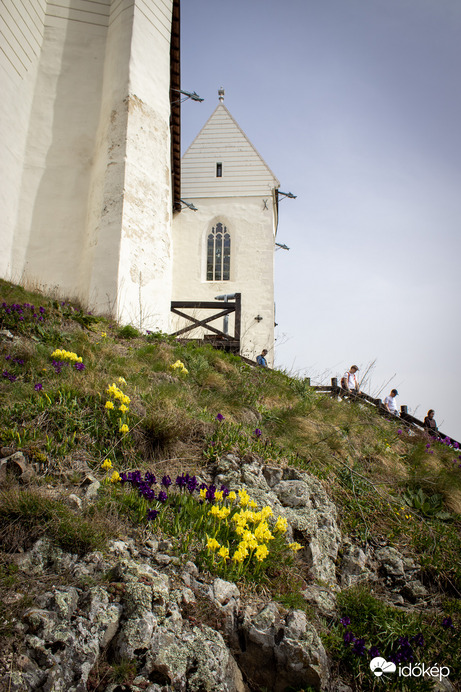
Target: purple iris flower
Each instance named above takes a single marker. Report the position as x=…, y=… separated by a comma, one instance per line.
x=374, y=651
x=41, y=310
x=359, y=647
x=345, y=621
x=220, y=417
x=258, y=432
x=225, y=491
x=348, y=637
x=210, y=493
x=418, y=640
x=150, y=478
x=181, y=481
x=152, y=514
x=162, y=497
x=148, y=493
x=38, y=387
x=192, y=484
x=166, y=481
x=447, y=623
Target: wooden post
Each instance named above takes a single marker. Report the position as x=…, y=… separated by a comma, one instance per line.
x=404, y=409
x=307, y=380
x=238, y=317
x=334, y=387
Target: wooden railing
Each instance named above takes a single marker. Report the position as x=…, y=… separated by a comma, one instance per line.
x=410, y=421
x=217, y=338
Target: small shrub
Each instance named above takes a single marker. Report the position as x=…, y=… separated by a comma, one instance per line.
x=27, y=515
x=128, y=332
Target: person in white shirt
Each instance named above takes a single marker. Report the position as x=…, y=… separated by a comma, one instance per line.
x=389, y=403
x=349, y=380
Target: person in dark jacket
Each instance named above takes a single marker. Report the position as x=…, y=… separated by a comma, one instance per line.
x=430, y=426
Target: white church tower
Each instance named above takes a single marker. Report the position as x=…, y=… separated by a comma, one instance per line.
x=227, y=245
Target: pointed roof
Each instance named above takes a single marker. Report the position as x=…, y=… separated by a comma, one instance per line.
x=221, y=140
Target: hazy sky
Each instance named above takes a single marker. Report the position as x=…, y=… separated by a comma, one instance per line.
x=356, y=107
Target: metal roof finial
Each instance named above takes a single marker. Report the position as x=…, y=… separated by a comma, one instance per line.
x=221, y=95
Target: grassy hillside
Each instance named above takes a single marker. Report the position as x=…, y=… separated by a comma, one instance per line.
x=80, y=395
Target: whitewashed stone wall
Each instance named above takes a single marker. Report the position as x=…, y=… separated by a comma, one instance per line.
x=86, y=131
x=19, y=60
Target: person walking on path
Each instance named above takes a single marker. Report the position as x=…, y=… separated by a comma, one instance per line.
x=389, y=403
x=349, y=380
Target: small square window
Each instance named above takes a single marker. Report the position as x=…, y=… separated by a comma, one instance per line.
x=219, y=170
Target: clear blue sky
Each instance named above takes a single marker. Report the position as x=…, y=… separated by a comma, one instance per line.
x=356, y=107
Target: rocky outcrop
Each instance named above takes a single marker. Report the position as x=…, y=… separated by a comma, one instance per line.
x=183, y=630
x=297, y=496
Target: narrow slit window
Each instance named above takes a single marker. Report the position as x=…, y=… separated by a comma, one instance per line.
x=219, y=170
x=218, y=251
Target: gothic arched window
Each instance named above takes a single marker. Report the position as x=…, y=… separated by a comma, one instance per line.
x=218, y=254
